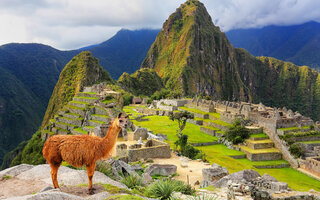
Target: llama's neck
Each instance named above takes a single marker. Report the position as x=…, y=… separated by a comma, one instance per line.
x=111, y=138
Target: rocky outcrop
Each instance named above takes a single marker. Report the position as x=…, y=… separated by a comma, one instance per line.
x=213, y=174
x=27, y=179
x=242, y=176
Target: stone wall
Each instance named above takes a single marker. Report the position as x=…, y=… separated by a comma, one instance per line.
x=162, y=151
x=312, y=164
x=230, y=117
x=152, y=149
x=281, y=147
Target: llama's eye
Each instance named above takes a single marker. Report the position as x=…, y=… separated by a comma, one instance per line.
x=120, y=120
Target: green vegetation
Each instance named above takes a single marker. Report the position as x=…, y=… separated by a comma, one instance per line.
x=259, y=135
x=163, y=189
x=296, y=150
x=6, y=177
x=81, y=131
x=299, y=134
x=31, y=153
x=296, y=180
x=142, y=82
x=237, y=133
x=83, y=70
x=132, y=181
x=294, y=128
x=193, y=110
x=310, y=142
x=162, y=124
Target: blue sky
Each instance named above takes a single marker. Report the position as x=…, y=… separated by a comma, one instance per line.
x=70, y=24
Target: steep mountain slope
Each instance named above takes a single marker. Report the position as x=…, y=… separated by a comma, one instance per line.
x=193, y=56
x=143, y=82
x=125, y=51
x=298, y=44
x=83, y=70
x=28, y=73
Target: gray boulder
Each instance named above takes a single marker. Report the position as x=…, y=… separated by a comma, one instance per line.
x=242, y=176
x=48, y=195
x=121, y=167
x=268, y=178
x=163, y=170
x=16, y=170
x=214, y=173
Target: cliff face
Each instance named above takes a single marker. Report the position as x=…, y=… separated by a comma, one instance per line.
x=193, y=56
x=83, y=70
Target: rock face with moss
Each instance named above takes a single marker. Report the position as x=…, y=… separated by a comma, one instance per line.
x=83, y=70
x=193, y=56
x=143, y=82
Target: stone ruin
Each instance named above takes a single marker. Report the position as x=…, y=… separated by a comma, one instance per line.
x=201, y=104
x=311, y=164
x=151, y=149
x=248, y=184
x=267, y=117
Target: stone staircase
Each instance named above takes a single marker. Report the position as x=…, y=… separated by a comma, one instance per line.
x=80, y=116
x=260, y=148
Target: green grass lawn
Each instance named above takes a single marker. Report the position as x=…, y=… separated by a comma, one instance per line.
x=220, y=122
x=194, y=110
x=220, y=154
x=293, y=128
x=296, y=180
x=310, y=142
x=130, y=110
x=216, y=115
x=259, y=135
x=163, y=125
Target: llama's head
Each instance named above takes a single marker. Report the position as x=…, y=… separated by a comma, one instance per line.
x=122, y=120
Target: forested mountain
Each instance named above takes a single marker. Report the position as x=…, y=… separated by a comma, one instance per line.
x=299, y=44
x=194, y=57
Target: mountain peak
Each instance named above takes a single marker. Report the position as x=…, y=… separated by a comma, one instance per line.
x=83, y=70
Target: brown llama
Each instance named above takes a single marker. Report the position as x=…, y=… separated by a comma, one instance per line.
x=80, y=150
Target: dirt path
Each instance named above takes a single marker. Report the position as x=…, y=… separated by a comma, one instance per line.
x=193, y=172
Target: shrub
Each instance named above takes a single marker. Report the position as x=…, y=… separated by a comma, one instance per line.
x=164, y=188
x=105, y=168
x=127, y=99
x=296, y=150
x=237, y=133
x=132, y=181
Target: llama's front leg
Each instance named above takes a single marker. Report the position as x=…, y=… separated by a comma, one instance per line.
x=90, y=172
x=54, y=174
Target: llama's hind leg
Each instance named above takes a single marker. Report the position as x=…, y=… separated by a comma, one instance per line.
x=54, y=174
x=90, y=172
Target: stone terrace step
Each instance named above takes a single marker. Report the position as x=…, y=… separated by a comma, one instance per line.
x=75, y=109
x=78, y=104
x=72, y=115
x=85, y=99
x=65, y=125
x=261, y=154
x=95, y=123
x=199, y=114
x=87, y=94
x=76, y=122
x=104, y=118
x=260, y=144
x=211, y=131
x=260, y=136
x=79, y=131
x=59, y=131
x=88, y=128
x=100, y=111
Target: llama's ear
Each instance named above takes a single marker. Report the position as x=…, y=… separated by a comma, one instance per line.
x=120, y=114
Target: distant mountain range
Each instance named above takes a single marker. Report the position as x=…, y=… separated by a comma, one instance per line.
x=299, y=44
x=29, y=72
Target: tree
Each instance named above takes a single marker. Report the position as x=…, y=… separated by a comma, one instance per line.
x=237, y=133
x=182, y=118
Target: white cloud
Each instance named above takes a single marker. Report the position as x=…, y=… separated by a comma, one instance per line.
x=69, y=24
